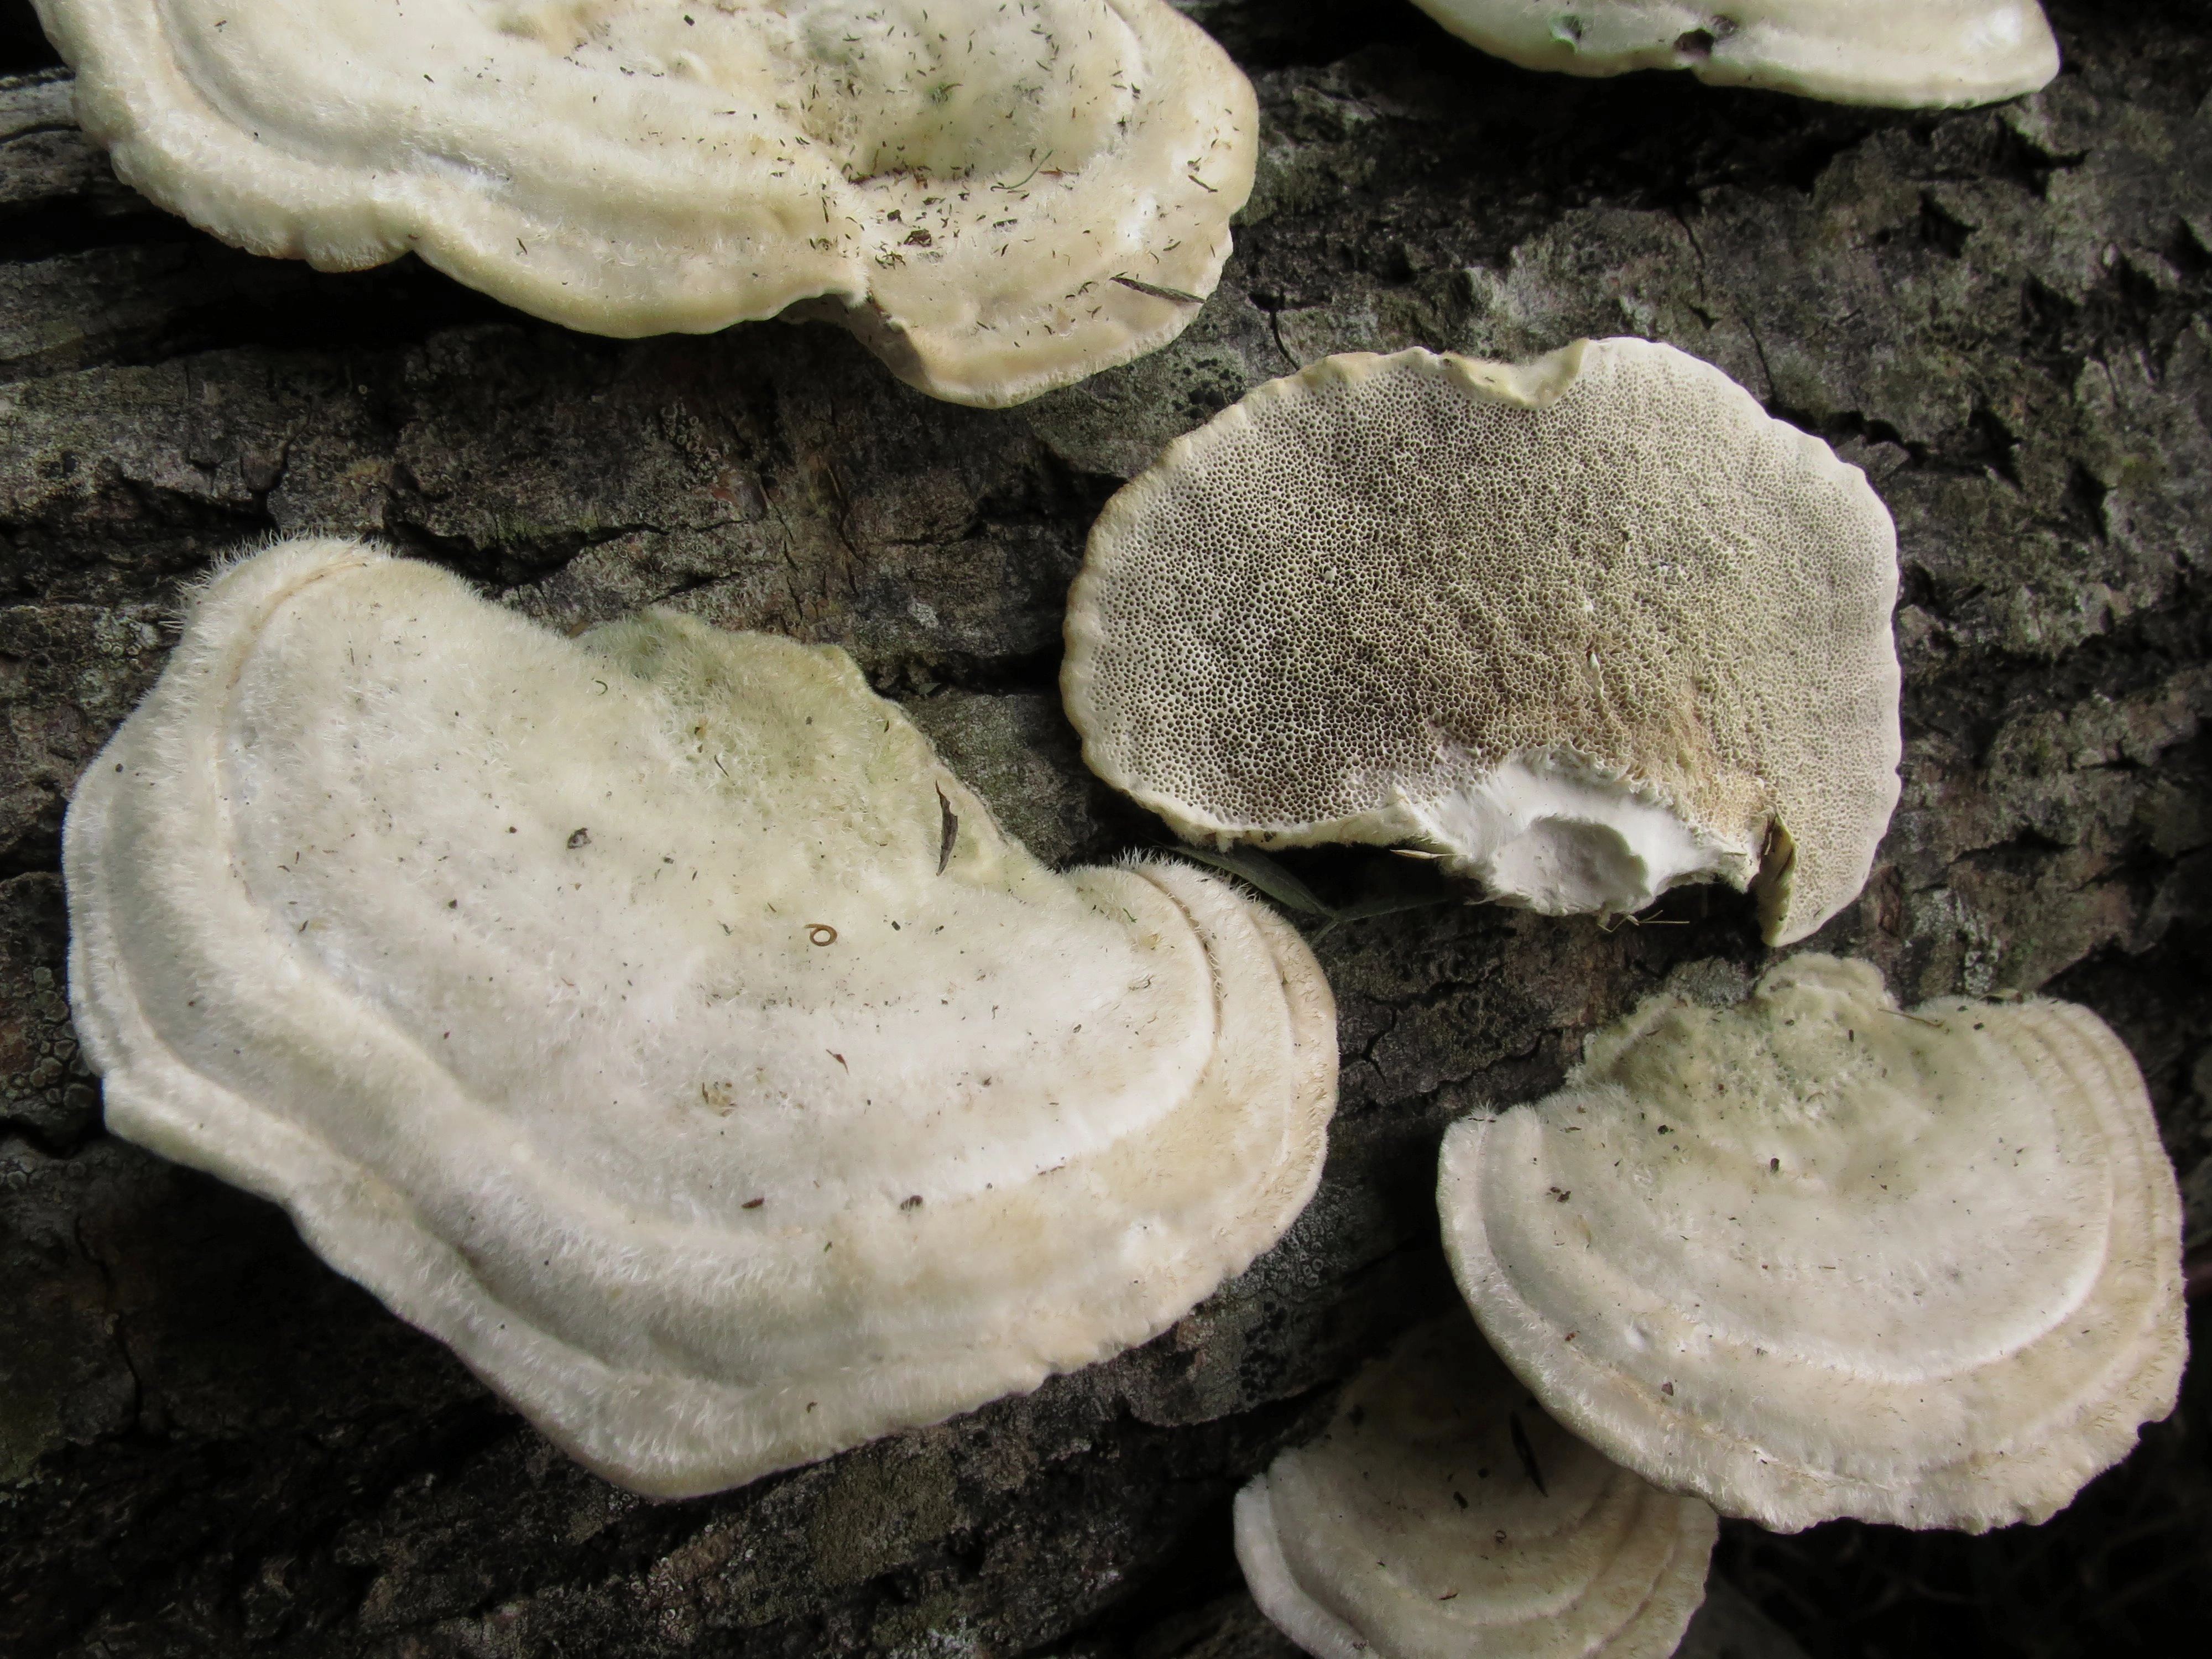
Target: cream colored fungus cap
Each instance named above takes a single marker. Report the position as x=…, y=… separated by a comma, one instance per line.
x=1814, y=1256
x=998, y=200
x=654, y=1019
x=1591, y=626
x=1443, y=1515
x=1915, y=54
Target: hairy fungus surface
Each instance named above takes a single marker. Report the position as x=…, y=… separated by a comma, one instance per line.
x=1914, y=54
x=1444, y=1514
x=997, y=199
x=654, y=1019
x=1814, y=1255
x=1590, y=626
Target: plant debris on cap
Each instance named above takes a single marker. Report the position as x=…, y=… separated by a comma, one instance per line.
x=1444, y=1514
x=742, y=1123
x=1591, y=627
x=1813, y=1256
x=1913, y=54
x=997, y=200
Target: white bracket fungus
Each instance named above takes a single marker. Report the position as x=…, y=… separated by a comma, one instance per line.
x=653, y=1018
x=1814, y=1256
x=1914, y=54
x=1443, y=1515
x=997, y=200
x=1590, y=626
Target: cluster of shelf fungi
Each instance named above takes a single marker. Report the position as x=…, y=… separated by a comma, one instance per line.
x=653, y=1017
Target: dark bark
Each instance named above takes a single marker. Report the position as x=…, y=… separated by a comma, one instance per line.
x=209, y=1443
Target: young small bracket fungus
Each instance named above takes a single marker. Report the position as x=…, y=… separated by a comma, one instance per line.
x=1590, y=626
x=997, y=200
x=1912, y=54
x=615, y=1011
x=1814, y=1256
x=1443, y=1515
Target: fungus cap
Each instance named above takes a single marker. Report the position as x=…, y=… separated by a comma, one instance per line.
x=1591, y=626
x=1813, y=1256
x=1914, y=54
x=1415, y=1528
x=998, y=200
x=651, y=1018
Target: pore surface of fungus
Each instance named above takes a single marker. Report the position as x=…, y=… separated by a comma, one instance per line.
x=654, y=1019
x=997, y=199
x=1914, y=54
x=1591, y=626
x=1444, y=1514
x=1814, y=1255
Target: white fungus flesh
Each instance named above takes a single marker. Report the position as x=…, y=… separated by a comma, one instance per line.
x=1443, y=1514
x=1814, y=1255
x=653, y=1018
x=1914, y=54
x=997, y=200
x=1590, y=627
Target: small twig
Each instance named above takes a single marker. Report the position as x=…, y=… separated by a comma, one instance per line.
x=1026, y=177
x=948, y=833
x=1154, y=291
x=1612, y=925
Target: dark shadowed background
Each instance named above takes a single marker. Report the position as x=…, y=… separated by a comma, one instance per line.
x=212, y=1444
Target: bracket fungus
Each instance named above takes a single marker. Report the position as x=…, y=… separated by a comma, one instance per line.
x=1913, y=54
x=997, y=200
x=1590, y=627
x=1443, y=1514
x=632, y=1014
x=1814, y=1255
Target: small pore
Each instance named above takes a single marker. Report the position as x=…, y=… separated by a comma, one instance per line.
x=1696, y=46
